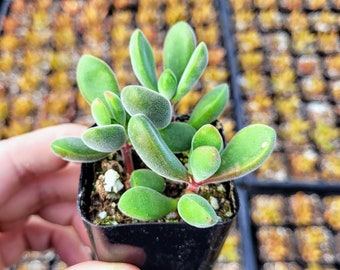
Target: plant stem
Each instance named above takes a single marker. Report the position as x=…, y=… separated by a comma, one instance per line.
x=192, y=186
x=127, y=158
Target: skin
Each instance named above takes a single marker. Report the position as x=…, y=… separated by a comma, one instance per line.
x=38, y=193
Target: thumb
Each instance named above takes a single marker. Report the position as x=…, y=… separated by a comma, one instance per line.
x=90, y=265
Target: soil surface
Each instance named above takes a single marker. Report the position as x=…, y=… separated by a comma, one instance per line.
x=104, y=205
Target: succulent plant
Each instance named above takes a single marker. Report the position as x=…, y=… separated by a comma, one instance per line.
x=143, y=118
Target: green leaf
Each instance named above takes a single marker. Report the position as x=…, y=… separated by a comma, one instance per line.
x=100, y=113
x=138, y=99
x=204, y=161
x=210, y=107
x=116, y=107
x=246, y=151
x=144, y=203
x=107, y=138
x=147, y=178
x=179, y=44
x=94, y=77
x=152, y=149
x=207, y=135
x=193, y=71
x=167, y=84
x=74, y=149
x=175, y=130
x=142, y=60
x=196, y=211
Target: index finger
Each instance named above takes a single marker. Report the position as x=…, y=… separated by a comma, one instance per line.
x=28, y=156
x=102, y=266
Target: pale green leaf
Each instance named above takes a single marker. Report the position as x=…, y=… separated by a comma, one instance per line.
x=144, y=203
x=74, y=149
x=196, y=211
x=210, y=107
x=193, y=71
x=246, y=151
x=116, y=107
x=152, y=149
x=179, y=44
x=147, y=178
x=173, y=132
x=94, y=77
x=142, y=60
x=138, y=99
x=167, y=84
x=109, y=138
x=207, y=135
x=100, y=113
x=204, y=161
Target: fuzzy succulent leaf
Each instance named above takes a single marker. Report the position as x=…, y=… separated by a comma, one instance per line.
x=100, y=113
x=179, y=44
x=147, y=178
x=138, y=99
x=207, y=135
x=94, y=77
x=109, y=138
x=142, y=60
x=173, y=132
x=246, y=151
x=152, y=149
x=197, y=211
x=210, y=107
x=144, y=203
x=116, y=107
x=193, y=71
x=204, y=161
x=167, y=84
x=74, y=149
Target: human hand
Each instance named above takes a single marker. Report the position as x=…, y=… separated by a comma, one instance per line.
x=38, y=193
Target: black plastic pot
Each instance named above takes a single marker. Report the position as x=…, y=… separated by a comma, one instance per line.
x=151, y=246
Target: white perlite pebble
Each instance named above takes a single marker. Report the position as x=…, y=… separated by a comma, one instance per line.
x=171, y=215
x=214, y=202
x=102, y=215
x=112, y=182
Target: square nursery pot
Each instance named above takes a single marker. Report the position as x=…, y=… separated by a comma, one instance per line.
x=151, y=246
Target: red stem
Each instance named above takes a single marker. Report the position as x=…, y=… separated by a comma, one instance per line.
x=127, y=158
x=192, y=186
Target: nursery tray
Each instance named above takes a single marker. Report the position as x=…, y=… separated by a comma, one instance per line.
x=303, y=169
x=273, y=71
x=290, y=225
